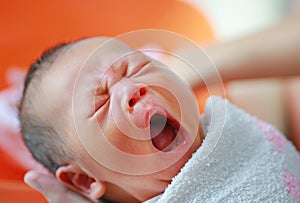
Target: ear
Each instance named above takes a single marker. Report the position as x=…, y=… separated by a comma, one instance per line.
x=79, y=181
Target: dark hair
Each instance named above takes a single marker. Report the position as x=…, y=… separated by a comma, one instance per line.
x=44, y=143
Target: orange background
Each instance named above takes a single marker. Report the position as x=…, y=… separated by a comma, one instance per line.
x=28, y=27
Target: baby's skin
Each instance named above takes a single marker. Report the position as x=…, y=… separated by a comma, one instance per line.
x=130, y=122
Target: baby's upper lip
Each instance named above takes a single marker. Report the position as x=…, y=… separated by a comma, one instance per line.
x=156, y=109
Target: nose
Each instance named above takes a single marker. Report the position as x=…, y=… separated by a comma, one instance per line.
x=139, y=94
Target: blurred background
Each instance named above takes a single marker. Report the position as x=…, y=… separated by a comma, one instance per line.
x=29, y=27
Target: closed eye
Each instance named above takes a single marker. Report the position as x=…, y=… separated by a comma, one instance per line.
x=138, y=68
x=120, y=67
x=101, y=96
x=100, y=100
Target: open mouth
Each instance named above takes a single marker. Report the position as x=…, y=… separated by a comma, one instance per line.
x=164, y=132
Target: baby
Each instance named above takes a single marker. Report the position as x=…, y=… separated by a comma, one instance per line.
x=108, y=124
x=112, y=123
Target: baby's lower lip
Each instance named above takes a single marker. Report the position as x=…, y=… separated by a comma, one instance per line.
x=166, y=133
x=179, y=139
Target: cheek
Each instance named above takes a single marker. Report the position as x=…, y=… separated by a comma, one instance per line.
x=168, y=98
x=122, y=134
x=125, y=144
x=178, y=97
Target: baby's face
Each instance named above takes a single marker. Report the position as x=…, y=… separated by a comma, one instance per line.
x=130, y=121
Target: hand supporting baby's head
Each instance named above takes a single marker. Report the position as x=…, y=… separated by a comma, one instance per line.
x=107, y=120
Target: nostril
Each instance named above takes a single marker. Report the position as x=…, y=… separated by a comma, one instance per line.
x=137, y=96
x=132, y=102
x=143, y=91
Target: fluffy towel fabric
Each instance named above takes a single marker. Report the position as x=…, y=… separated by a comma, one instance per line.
x=242, y=159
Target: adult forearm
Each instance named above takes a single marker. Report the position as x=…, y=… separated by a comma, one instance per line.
x=270, y=53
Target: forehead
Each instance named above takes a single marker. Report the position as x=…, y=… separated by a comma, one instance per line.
x=78, y=63
x=57, y=82
x=87, y=55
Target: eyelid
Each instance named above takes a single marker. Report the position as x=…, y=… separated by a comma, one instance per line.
x=121, y=67
x=138, y=68
x=101, y=89
x=100, y=100
x=101, y=95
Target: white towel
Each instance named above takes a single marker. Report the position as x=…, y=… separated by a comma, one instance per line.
x=242, y=159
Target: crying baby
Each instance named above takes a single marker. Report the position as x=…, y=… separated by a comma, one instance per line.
x=112, y=123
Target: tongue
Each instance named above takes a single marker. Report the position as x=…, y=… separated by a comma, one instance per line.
x=162, y=138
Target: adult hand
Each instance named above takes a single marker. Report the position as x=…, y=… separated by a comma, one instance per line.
x=52, y=189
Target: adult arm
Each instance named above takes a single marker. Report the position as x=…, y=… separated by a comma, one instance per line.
x=273, y=52
x=270, y=53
